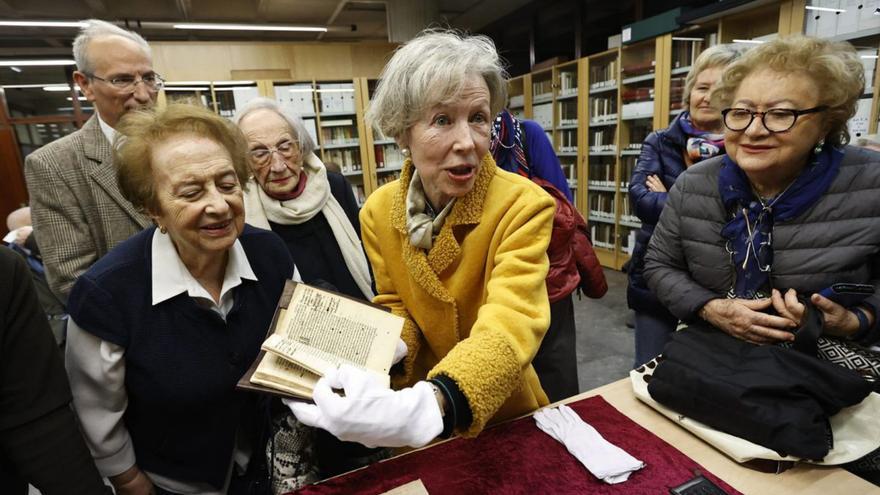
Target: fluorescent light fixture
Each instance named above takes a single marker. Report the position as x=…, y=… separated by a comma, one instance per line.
x=35, y=63
x=58, y=87
x=185, y=88
x=187, y=83
x=80, y=98
x=682, y=38
x=249, y=27
x=869, y=56
x=233, y=83
x=57, y=24
x=750, y=42
x=14, y=68
x=824, y=9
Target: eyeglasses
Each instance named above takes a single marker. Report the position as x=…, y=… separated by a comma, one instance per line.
x=774, y=119
x=262, y=157
x=153, y=82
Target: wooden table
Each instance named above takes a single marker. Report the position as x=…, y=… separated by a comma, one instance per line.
x=802, y=479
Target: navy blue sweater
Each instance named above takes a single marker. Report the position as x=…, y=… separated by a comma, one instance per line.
x=662, y=155
x=182, y=361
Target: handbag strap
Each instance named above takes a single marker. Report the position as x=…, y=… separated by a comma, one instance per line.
x=807, y=337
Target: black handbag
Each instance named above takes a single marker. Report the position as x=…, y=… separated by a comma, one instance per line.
x=777, y=397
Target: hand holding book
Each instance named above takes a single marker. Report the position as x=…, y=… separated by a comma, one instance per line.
x=370, y=413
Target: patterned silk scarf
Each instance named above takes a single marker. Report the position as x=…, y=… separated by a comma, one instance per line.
x=507, y=146
x=700, y=144
x=749, y=233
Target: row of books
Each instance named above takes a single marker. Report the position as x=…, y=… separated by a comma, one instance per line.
x=627, y=165
x=638, y=132
x=568, y=112
x=336, y=98
x=627, y=240
x=602, y=139
x=388, y=155
x=630, y=94
x=601, y=205
x=602, y=105
x=685, y=52
x=568, y=83
x=298, y=99
x=602, y=174
x=543, y=115
x=602, y=76
x=349, y=160
x=568, y=141
x=638, y=68
x=517, y=101
x=641, y=109
x=542, y=88
x=338, y=135
x=602, y=235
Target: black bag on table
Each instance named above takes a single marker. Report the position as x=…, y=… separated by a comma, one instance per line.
x=774, y=396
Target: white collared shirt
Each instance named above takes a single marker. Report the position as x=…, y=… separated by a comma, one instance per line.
x=171, y=277
x=96, y=368
x=109, y=132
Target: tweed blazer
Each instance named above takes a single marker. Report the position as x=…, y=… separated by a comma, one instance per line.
x=835, y=240
x=475, y=304
x=78, y=211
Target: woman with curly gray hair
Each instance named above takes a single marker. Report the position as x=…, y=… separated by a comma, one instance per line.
x=789, y=211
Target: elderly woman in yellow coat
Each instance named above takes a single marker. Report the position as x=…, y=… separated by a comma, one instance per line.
x=458, y=248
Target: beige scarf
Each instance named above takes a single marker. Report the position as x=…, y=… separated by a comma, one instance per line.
x=260, y=208
x=421, y=227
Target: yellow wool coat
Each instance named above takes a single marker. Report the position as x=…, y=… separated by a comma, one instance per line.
x=476, y=304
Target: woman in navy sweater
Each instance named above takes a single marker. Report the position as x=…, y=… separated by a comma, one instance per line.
x=164, y=325
x=693, y=136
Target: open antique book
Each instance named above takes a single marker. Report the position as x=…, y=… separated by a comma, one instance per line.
x=316, y=330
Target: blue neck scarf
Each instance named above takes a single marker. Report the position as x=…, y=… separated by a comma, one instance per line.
x=700, y=145
x=750, y=232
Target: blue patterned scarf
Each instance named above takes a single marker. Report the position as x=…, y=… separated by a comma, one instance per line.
x=750, y=233
x=700, y=145
x=507, y=145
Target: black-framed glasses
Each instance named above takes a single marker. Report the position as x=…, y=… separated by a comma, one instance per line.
x=153, y=82
x=774, y=119
x=262, y=157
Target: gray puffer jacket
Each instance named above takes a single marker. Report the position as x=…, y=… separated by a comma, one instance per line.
x=837, y=240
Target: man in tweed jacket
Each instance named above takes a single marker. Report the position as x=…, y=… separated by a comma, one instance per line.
x=79, y=213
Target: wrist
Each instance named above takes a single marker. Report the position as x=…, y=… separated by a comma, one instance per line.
x=124, y=477
x=864, y=323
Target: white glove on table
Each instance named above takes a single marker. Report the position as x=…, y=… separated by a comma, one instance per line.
x=603, y=459
x=369, y=413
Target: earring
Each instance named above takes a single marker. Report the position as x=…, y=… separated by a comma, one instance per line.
x=818, y=148
x=405, y=152
x=162, y=229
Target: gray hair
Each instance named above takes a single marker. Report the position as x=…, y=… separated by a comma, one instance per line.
x=432, y=69
x=96, y=28
x=715, y=56
x=297, y=128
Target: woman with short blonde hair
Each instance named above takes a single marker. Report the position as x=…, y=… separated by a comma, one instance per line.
x=458, y=249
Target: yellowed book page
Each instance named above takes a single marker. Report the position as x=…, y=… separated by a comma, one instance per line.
x=312, y=359
x=350, y=330
x=278, y=373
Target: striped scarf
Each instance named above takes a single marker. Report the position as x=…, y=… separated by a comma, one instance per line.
x=507, y=145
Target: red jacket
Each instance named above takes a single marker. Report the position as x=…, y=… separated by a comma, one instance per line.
x=573, y=263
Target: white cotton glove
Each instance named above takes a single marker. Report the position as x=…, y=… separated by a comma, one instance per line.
x=400, y=352
x=369, y=413
x=603, y=459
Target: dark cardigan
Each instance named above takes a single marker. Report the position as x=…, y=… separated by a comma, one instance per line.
x=183, y=361
x=314, y=248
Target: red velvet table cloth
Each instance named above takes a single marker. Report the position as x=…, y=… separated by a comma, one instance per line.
x=518, y=458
